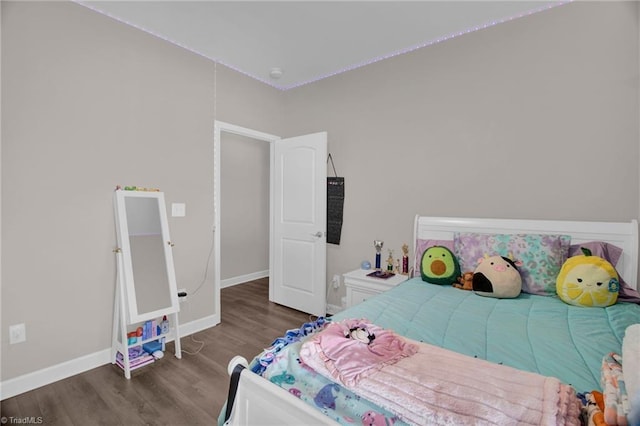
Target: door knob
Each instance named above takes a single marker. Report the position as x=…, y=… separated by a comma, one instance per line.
x=317, y=234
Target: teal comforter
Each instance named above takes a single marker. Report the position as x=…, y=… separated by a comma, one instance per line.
x=533, y=333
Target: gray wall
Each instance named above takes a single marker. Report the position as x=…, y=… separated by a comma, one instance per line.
x=244, y=211
x=87, y=104
x=536, y=118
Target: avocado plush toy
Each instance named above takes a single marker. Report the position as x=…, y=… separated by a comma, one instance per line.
x=439, y=266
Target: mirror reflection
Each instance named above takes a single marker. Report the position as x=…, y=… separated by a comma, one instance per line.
x=150, y=278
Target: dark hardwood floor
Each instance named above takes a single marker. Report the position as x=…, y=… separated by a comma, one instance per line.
x=171, y=391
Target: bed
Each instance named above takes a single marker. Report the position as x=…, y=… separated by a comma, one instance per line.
x=531, y=343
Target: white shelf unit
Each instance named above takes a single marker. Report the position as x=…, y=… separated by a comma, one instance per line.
x=121, y=324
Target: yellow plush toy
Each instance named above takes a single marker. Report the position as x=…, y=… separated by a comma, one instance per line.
x=587, y=280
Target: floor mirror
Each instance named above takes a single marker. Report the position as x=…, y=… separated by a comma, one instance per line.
x=146, y=299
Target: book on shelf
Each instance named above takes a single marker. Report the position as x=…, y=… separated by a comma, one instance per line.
x=136, y=362
x=132, y=366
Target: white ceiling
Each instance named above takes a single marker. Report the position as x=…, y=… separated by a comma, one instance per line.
x=309, y=40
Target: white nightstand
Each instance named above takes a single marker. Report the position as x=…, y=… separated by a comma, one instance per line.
x=360, y=287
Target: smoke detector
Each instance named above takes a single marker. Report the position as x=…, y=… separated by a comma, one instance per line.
x=276, y=73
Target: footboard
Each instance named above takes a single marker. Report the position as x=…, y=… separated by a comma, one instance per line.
x=254, y=400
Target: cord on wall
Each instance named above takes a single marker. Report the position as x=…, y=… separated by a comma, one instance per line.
x=206, y=266
x=215, y=110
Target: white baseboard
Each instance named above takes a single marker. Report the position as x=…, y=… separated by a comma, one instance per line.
x=36, y=379
x=243, y=278
x=199, y=325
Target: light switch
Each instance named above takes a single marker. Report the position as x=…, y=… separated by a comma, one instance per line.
x=17, y=333
x=178, y=209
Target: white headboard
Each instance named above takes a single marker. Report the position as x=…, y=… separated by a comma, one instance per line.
x=621, y=234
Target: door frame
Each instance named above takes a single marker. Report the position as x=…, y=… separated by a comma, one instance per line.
x=218, y=128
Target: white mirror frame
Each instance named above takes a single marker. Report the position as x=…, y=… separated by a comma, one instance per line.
x=122, y=234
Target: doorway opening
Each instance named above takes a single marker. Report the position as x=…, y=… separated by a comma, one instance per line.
x=244, y=216
x=297, y=217
x=242, y=134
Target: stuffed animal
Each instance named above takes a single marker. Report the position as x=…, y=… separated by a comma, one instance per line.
x=360, y=334
x=497, y=276
x=586, y=280
x=439, y=266
x=465, y=282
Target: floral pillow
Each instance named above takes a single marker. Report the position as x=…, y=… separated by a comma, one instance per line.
x=542, y=256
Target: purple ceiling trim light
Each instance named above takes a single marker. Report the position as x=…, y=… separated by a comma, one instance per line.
x=428, y=43
x=175, y=43
x=131, y=24
x=343, y=70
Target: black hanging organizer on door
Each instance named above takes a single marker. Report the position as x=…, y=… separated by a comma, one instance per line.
x=335, y=205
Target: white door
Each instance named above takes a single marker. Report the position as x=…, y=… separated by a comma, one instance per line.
x=298, y=239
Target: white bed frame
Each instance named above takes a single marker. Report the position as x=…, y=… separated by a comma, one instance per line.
x=259, y=401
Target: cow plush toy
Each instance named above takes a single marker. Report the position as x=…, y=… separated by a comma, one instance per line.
x=497, y=276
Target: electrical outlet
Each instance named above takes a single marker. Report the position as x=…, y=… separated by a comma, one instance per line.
x=17, y=333
x=336, y=281
x=182, y=299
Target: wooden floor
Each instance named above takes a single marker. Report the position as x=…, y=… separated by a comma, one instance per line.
x=190, y=391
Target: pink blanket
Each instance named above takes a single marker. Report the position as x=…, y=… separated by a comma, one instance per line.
x=352, y=349
x=426, y=385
